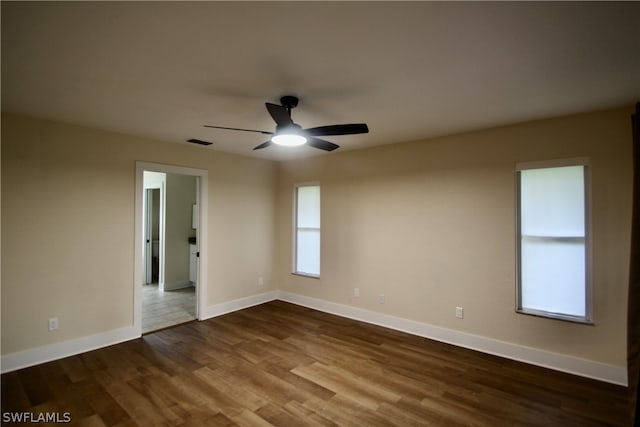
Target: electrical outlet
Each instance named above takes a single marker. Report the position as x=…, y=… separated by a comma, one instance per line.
x=260, y=281
x=459, y=312
x=381, y=298
x=356, y=292
x=53, y=324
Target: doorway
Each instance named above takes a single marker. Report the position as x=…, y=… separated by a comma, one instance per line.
x=171, y=220
x=152, y=214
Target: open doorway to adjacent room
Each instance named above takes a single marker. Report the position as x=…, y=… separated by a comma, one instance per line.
x=168, y=265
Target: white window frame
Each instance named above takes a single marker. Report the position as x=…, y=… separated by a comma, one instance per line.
x=296, y=228
x=579, y=161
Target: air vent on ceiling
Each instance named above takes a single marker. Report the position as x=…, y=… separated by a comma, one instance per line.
x=199, y=141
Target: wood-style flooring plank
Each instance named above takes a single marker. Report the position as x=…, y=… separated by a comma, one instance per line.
x=279, y=364
x=226, y=384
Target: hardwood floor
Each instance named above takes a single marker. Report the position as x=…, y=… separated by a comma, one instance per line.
x=284, y=365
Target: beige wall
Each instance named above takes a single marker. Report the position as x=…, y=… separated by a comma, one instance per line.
x=68, y=227
x=431, y=225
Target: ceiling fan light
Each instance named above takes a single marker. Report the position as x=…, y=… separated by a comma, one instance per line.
x=288, y=139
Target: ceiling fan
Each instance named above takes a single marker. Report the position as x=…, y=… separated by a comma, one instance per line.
x=290, y=134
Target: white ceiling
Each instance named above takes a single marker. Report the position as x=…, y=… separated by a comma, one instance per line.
x=410, y=70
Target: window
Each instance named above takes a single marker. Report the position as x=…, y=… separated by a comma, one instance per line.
x=307, y=230
x=553, y=241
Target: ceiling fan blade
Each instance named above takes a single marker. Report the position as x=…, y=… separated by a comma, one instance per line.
x=244, y=130
x=280, y=114
x=349, y=129
x=263, y=145
x=322, y=144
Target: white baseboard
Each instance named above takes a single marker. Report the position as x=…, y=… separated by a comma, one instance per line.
x=238, y=304
x=559, y=362
x=23, y=359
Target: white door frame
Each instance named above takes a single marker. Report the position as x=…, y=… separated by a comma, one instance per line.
x=201, y=236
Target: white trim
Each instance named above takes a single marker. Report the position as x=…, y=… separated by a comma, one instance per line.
x=147, y=241
x=554, y=163
x=162, y=234
x=161, y=187
x=47, y=353
x=202, y=283
x=24, y=359
x=239, y=304
x=559, y=362
x=138, y=248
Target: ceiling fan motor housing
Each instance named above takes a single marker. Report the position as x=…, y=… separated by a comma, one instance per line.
x=289, y=101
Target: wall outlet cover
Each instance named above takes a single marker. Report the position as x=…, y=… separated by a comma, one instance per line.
x=53, y=324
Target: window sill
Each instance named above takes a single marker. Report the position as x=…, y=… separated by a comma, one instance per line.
x=555, y=316
x=309, y=275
